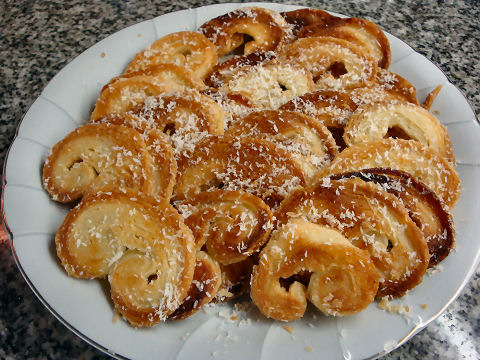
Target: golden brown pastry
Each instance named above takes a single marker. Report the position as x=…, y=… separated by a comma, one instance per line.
x=158, y=146
x=301, y=18
x=227, y=32
x=254, y=165
x=231, y=224
x=140, y=243
x=300, y=135
x=371, y=219
x=362, y=32
x=269, y=85
x=410, y=156
x=224, y=71
x=205, y=284
x=334, y=63
x=344, y=279
x=97, y=157
x=125, y=92
x=377, y=121
x=189, y=49
x=235, y=105
x=423, y=206
x=235, y=280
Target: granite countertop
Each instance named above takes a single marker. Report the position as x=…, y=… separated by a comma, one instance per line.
x=40, y=37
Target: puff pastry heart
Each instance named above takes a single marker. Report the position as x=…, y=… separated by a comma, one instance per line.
x=343, y=278
x=266, y=27
x=158, y=146
x=185, y=48
x=371, y=219
x=254, y=165
x=423, y=206
x=98, y=157
x=376, y=121
x=140, y=243
x=231, y=224
x=422, y=162
x=300, y=135
x=301, y=18
x=334, y=63
x=124, y=92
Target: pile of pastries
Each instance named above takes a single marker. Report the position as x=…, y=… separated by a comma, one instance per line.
x=270, y=153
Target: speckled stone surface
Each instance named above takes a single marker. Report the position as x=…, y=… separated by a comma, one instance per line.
x=39, y=38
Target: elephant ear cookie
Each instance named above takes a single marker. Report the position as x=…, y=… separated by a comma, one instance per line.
x=423, y=206
x=125, y=92
x=98, y=157
x=267, y=28
x=371, y=219
x=424, y=163
x=159, y=147
x=343, y=279
x=185, y=48
x=231, y=224
x=139, y=243
x=405, y=120
x=334, y=63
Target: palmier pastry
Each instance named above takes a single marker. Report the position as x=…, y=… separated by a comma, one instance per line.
x=344, y=280
x=269, y=85
x=299, y=134
x=410, y=156
x=205, y=284
x=401, y=120
x=159, y=147
x=334, y=63
x=224, y=71
x=140, y=243
x=423, y=206
x=371, y=219
x=185, y=48
x=231, y=224
x=97, y=157
x=125, y=92
x=227, y=31
x=254, y=165
x=186, y=117
x=235, y=280
x=301, y=18
x=362, y=32
x=235, y=105
x=396, y=86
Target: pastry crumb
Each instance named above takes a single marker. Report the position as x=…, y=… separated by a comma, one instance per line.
x=288, y=328
x=424, y=306
x=308, y=349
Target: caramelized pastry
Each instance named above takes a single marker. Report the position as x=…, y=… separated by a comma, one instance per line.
x=301, y=18
x=205, y=284
x=371, y=219
x=140, y=243
x=377, y=121
x=334, y=63
x=271, y=84
x=231, y=224
x=125, y=92
x=158, y=146
x=235, y=280
x=427, y=104
x=228, y=31
x=302, y=136
x=250, y=164
x=225, y=71
x=344, y=279
x=362, y=32
x=189, y=49
x=235, y=105
x=97, y=157
x=410, y=156
x=423, y=206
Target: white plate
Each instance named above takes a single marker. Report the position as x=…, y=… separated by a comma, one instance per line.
x=84, y=306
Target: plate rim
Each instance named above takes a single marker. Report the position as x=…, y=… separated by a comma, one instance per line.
x=415, y=330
